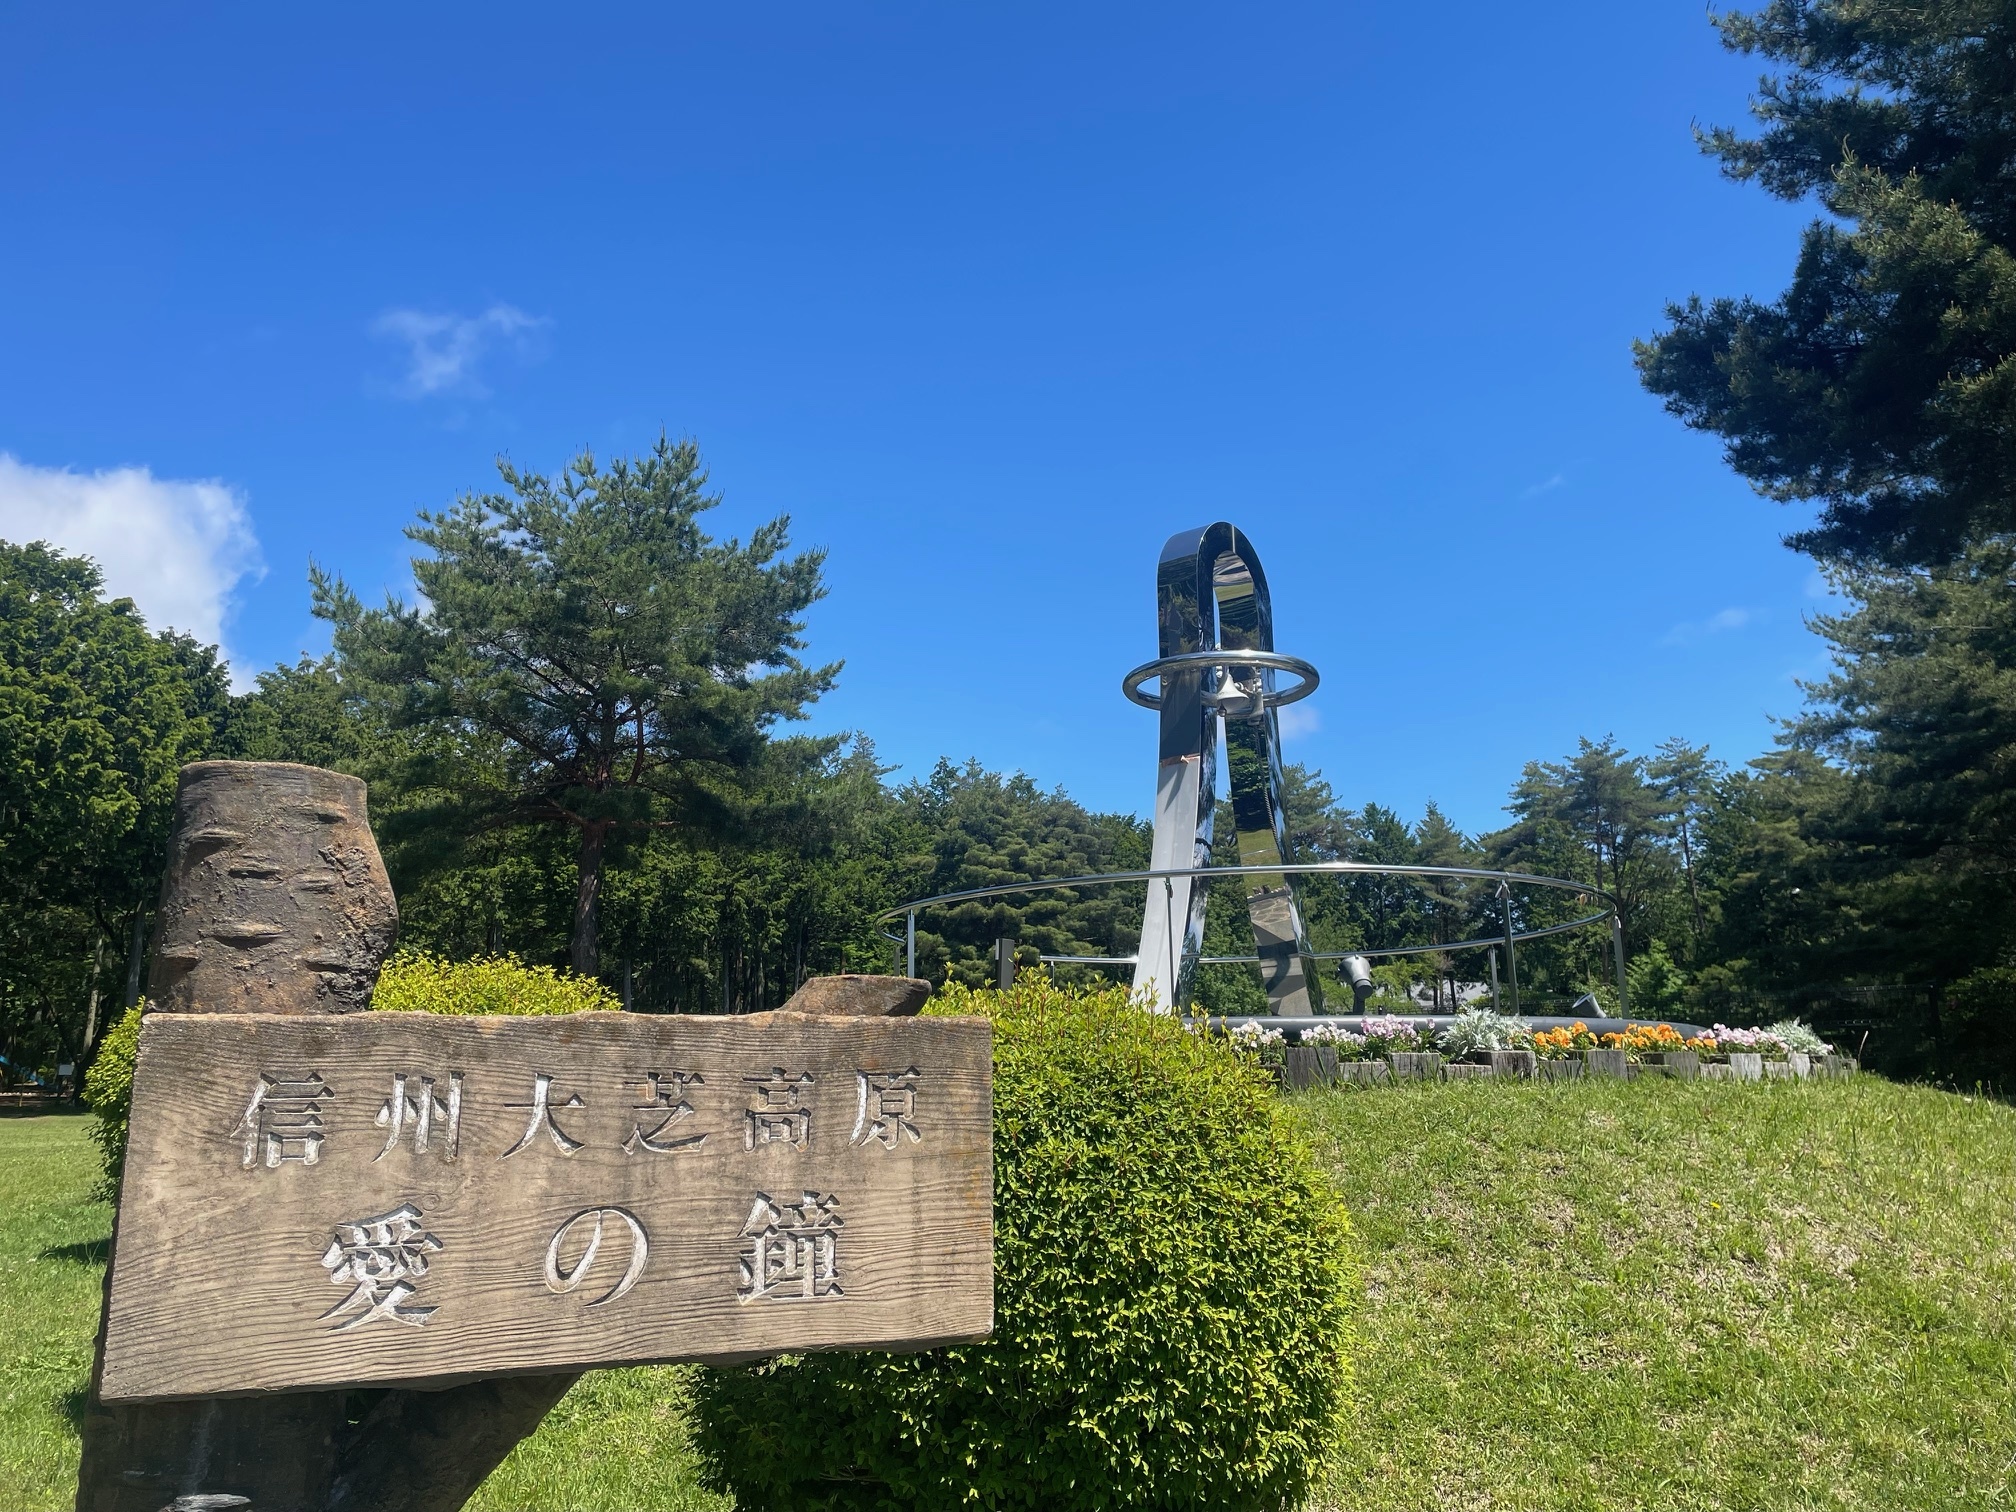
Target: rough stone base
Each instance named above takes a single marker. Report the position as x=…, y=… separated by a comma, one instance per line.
x=860, y=996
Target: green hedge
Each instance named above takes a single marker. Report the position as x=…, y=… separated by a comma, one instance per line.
x=108, y=1088
x=410, y=982
x=414, y=982
x=1174, y=1287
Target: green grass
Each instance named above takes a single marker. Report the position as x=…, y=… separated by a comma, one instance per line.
x=617, y=1440
x=1663, y=1295
x=1680, y=1295
x=52, y=1265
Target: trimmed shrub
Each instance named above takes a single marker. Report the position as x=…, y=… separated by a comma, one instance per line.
x=1174, y=1287
x=410, y=982
x=108, y=1089
x=414, y=981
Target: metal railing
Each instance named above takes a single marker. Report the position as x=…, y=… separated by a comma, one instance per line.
x=1509, y=938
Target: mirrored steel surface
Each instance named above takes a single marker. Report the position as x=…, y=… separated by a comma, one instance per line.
x=1211, y=595
x=1217, y=666
x=1221, y=690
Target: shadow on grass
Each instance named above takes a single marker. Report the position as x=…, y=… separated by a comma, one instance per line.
x=84, y=1252
x=73, y=1404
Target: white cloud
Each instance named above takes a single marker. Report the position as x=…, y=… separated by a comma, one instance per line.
x=1689, y=631
x=1297, y=720
x=1537, y=489
x=177, y=547
x=443, y=352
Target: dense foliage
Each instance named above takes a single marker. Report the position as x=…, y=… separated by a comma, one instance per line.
x=1174, y=1287
x=589, y=659
x=97, y=713
x=108, y=1091
x=415, y=982
x=1882, y=383
x=1858, y=875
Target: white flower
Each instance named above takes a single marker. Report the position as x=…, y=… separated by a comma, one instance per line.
x=1251, y=1036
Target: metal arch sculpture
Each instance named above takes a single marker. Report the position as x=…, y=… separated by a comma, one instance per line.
x=1216, y=629
x=1215, y=623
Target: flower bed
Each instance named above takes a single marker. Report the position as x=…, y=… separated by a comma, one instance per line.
x=1482, y=1043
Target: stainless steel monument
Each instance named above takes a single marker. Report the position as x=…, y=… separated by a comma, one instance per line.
x=1217, y=671
x=1216, y=626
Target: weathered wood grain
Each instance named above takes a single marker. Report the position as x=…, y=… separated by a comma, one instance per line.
x=376, y=1263
x=275, y=899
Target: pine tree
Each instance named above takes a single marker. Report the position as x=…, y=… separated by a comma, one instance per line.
x=587, y=658
x=1882, y=384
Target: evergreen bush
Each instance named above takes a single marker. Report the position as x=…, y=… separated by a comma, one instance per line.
x=1658, y=985
x=1174, y=1288
x=108, y=1089
x=413, y=981
x=1980, y=1027
x=410, y=982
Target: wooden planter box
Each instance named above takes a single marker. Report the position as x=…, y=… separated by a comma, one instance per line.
x=1606, y=1062
x=1302, y=1067
x=1415, y=1065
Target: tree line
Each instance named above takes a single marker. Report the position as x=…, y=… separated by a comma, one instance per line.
x=579, y=737
x=577, y=754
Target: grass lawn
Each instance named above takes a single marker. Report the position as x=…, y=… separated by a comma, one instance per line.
x=1658, y=1295
x=52, y=1264
x=1680, y=1295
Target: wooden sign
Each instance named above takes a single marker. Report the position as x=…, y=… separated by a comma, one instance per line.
x=408, y=1198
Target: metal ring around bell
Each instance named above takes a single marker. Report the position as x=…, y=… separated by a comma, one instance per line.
x=1131, y=683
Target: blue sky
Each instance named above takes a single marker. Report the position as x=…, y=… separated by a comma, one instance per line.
x=989, y=299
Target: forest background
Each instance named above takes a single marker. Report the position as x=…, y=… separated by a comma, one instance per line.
x=577, y=735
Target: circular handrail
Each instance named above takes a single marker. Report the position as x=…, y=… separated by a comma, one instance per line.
x=1130, y=685
x=1296, y=868
x=1613, y=909
x=1339, y=955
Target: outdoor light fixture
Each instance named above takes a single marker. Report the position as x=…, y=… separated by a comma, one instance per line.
x=1357, y=971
